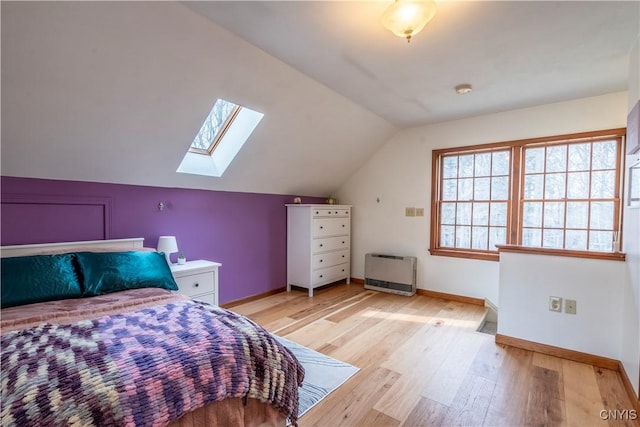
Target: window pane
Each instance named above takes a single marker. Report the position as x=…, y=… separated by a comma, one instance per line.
x=552, y=238
x=603, y=184
x=578, y=185
x=532, y=214
x=449, y=189
x=601, y=215
x=463, y=237
x=481, y=189
x=579, y=157
x=480, y=213
x=556, y=158
x=498, y=214
x=483, y=164
x=448, y=213
x=497, y=236
x=604, y=155
x=554, y=215
x=554, y=186
x=500, y=163
x=447, y=233
x=465, y=189
x=466, y=165
x=531, y=237
x=576, y=239
x=500, y=188
x=480, y=238
x=213, y=124
x=577, y=214
x=601, y=241
x=450, y=167
x=534, y=160
x=533, y=186
x=463, y=214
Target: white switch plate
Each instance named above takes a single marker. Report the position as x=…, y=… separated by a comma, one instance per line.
x=570, y=306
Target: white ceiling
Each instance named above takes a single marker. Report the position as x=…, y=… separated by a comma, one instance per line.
x=515, y=53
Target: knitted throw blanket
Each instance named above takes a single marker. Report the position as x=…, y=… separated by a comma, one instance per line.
x=144, y=368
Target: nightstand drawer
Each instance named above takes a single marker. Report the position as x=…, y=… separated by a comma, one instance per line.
x=208, y=298
x=196, y=284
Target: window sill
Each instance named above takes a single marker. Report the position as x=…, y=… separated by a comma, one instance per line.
x=609, y=256
x=457, y=253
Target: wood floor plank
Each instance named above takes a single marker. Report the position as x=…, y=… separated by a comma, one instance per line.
x=581, y=394
x=427, y=413
x=614, y=398
x=488, y=361
x=377, y=419
x=546, y=398
x=470, y=405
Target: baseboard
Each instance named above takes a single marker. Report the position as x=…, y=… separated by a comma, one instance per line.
x=451, y=297
x=236, y=302
x=356, y=281
x=576, y=356
x=628, y=386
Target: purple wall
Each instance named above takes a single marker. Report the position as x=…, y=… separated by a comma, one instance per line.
x=246, y=232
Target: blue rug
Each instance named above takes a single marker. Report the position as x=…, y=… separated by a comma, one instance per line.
x=323, y=374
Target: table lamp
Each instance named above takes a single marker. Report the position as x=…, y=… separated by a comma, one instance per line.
x=168, y=245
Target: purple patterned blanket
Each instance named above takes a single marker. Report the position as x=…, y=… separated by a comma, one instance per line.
x=143, y=368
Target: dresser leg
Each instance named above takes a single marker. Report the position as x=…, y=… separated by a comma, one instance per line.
x=348, y=280
x=310, y=292
x=288, y=287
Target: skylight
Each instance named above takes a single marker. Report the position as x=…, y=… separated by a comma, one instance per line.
x=222, y=135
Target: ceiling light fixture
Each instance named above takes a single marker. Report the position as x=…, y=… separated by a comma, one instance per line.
x=406, y=18
x=463, y=89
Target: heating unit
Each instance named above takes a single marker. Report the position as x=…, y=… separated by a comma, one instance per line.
x=390, y=273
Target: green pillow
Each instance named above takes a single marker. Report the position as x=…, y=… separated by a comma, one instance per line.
x=31, y=279
x=106, y=272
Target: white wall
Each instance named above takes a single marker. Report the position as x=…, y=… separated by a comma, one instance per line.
x=125, y=86
x=630, y=354
x=526, y=283
x=399, y=174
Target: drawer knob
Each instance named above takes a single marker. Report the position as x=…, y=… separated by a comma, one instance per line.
x=342, y=256
x=320, y=260
x=343, y=242
x=343, y=270
x=336, y=212
x=320, y=244
x=342, y=225
x=329, y=212
x=196, y=284
x=317, y=212
x=321, y=276
x=321, y=227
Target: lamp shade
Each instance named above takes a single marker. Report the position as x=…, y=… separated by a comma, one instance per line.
x=168, y=245
x=407, y=18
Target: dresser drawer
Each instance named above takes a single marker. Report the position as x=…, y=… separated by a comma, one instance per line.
x=196, y=284
x=330, y=244
x=330, y=258
x=324, y=227
x=330, y=274
x=330, y=213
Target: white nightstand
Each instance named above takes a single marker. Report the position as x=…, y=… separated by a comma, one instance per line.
x=198, y=280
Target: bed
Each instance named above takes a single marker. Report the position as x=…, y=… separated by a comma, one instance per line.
x=93, y=334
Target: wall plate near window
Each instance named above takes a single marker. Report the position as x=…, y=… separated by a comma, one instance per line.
x=633, y=197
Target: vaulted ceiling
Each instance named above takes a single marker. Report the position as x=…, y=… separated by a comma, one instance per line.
x=115, y=91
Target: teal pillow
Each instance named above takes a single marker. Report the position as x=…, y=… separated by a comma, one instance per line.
x=31, y=279
x=106, y=272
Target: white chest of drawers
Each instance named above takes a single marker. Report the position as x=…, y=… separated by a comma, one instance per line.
x=318, y=245
x=198, y=280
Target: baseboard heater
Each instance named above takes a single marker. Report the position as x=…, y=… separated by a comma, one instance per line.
x=390, y=273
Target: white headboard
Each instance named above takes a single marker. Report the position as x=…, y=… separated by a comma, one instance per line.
x=42, y=248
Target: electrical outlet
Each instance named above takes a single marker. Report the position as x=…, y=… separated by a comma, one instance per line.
x=555, y=304
x=570, y=306
x=410, y=212
x=419, y=211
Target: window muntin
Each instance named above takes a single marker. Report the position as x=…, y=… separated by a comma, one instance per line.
x=473, y=206
x=569, y=199
x=561, y=193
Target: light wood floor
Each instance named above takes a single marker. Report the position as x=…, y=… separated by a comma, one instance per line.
x=422, y=363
